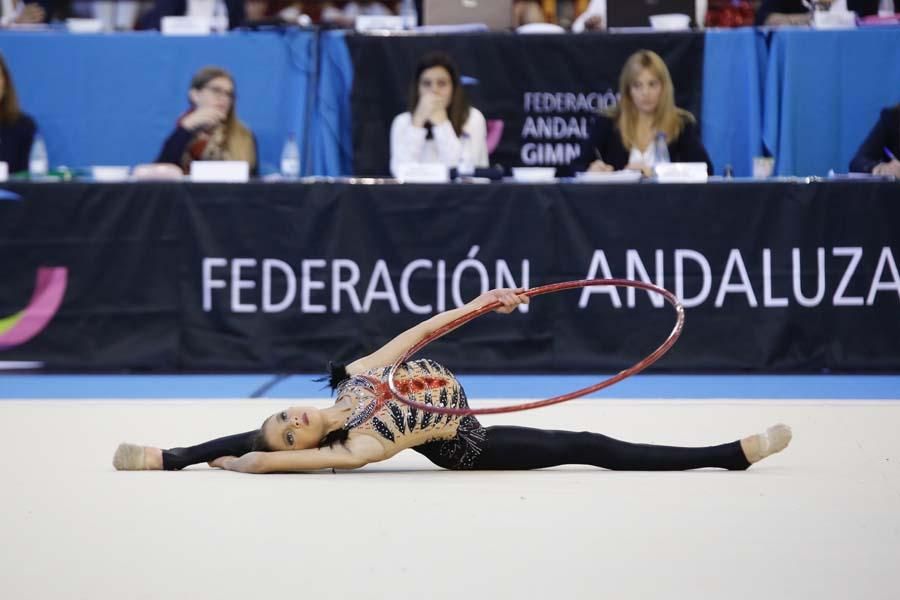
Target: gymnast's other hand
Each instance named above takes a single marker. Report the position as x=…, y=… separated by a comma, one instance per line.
x=509, y=298
x=248, y=463
x=222, y=462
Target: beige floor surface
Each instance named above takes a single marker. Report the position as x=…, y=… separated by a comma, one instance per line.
x=820, y=521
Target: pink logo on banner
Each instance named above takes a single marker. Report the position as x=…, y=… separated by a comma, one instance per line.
x=49, y=289
x=494, y=133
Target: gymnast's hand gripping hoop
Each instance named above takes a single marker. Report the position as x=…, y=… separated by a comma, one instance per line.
x=546, y=289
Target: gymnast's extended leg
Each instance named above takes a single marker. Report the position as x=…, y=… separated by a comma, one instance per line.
x=131, y=457
x=516, y=448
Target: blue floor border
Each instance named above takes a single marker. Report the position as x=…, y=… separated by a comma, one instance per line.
x=100, y=387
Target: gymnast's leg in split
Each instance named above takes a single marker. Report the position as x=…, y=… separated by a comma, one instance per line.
x=510, y=448
x=131, y=457
x=524, y=448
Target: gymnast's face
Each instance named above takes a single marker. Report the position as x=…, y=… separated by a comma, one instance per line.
x=295, y=428
x=645, y=91
x=437, y=82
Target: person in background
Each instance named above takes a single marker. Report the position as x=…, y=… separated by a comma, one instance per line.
x=879, y=151
x=285, y=11
x=115, y=15
x=210, y=129
x=17, y=12
x=17, y=129
x=345, y=16
x=729, y=13
x=793, y=12
x=440, y=125
x=24, y=12
x=624, y=138
x=166, y=8
x=527, y=11
x=592, y=19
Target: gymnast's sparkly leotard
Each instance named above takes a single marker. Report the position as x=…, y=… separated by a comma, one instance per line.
x=449, y=440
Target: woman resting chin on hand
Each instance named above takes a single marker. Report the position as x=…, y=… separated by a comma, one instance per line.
x=440, y=125
x=210, y=129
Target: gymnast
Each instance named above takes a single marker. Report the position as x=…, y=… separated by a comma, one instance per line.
x=367, y=424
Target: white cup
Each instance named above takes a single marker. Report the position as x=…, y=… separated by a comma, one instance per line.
x=763, y=166
x=200, y=8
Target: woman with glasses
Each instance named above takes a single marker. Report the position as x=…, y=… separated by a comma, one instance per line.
x=210, y=129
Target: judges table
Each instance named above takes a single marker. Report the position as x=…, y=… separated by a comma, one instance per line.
x=781, y=275
x=811, y=96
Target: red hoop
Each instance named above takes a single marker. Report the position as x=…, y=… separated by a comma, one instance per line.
x=546, y=289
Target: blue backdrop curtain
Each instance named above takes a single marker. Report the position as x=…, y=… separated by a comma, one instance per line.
x=101, y=99
x=824, y=91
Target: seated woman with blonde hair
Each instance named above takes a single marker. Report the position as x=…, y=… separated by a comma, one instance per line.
x=624, y=138
x=210, y=129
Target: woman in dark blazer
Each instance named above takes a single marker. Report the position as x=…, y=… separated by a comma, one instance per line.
x=880, y=151
x=624, y=138
x=17, y=129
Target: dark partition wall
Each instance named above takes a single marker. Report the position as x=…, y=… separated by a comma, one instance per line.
x=775, y=276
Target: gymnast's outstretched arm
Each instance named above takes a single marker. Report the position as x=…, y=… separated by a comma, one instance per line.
x=356, y=452
x=391, y=351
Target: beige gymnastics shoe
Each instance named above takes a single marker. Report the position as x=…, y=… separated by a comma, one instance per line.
x=774, y=440
x=129, y=457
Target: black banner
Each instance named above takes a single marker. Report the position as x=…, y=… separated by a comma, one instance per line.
x=542, y=90
x=775, y=276
x=117, y=250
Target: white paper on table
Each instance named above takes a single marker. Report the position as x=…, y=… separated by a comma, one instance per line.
x=626, y=176
x=220, y=171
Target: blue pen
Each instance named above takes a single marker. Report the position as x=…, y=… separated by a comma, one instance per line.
x=890, y=154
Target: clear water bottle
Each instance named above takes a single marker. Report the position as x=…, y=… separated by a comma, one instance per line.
x=660, y=149
x=290, y=158
x=465, y=167
x=38, y=165
x=219, y=22
x=408, y=12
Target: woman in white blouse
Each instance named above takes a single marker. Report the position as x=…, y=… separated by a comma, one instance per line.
x=440, y=126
